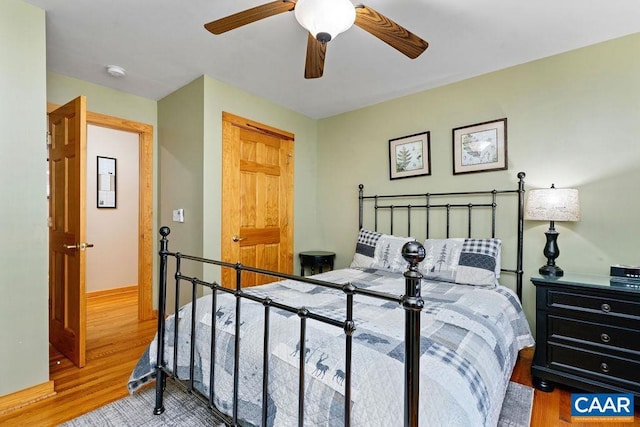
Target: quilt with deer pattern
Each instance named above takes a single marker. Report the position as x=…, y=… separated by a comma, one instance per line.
x=470, y=338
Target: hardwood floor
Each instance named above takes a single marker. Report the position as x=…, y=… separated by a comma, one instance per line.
x=116, y=340
x=554, y=409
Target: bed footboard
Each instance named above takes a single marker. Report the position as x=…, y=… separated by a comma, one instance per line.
x=413, y=252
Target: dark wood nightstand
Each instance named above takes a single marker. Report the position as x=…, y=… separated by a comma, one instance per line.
x=587, y=334
x=316, y=260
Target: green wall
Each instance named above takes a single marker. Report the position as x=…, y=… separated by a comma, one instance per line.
x=24, y=352
x=180, y=136
x=100, y=99
x=573, y=120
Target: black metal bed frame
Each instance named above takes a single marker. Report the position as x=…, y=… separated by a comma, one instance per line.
x=411, y=301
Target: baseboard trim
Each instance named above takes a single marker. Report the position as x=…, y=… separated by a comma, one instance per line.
x=114, y=291
x=26, y=397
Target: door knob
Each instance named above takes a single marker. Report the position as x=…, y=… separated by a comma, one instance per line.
x=237, y=239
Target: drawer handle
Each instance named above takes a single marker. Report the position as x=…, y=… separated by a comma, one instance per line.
x=605, y=307
x=605, y=337
x=604, y=367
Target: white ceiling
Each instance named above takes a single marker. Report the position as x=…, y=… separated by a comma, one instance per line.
x=163, y=45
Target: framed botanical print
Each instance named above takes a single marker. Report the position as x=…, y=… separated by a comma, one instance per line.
x=480, y=147
x=410, y=156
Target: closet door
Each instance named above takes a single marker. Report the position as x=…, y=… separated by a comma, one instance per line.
x=257, y=199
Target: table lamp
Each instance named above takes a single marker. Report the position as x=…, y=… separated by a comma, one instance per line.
x=552, y=204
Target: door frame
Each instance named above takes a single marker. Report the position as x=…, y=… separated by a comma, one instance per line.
x=145, y=202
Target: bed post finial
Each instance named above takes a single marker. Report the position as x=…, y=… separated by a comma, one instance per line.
x=413, y=253
x=165, y=231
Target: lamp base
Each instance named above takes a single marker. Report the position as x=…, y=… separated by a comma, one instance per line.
x=551, y=251
x=551, y=270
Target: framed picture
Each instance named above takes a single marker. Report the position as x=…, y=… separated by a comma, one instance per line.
x=410, y=156
x=107, y=194
x=481, y=147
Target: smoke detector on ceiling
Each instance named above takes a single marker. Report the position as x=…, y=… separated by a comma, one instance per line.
x=116, y=71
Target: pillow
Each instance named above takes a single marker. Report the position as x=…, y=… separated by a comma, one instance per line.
x=365, y=248
x=388, y=254
x=464, y=261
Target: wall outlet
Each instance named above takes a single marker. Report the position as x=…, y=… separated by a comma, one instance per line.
x=178, y=215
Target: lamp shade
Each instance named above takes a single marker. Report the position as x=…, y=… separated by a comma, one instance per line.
x=553, y=204
x=325, y=17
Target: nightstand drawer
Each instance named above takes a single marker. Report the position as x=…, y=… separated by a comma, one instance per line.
x=584, y=302
x=594, y=333
x=593, y=364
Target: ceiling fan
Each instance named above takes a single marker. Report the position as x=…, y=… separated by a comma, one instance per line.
x=325, y=19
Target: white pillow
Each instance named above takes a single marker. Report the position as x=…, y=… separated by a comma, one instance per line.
x=388, y=253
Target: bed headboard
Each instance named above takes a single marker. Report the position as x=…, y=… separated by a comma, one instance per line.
x=449, y=214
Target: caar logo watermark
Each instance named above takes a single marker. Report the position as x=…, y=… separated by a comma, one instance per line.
x=602, y=407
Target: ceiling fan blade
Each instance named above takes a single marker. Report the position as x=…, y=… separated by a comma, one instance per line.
x=389, y=32
x=248, y=16
x=314, y=65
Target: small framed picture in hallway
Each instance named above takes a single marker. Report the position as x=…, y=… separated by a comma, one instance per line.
x=107, y=180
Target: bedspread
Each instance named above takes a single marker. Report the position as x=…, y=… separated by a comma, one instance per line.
x=470, y=338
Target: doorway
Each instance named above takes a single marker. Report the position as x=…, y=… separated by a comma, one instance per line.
x=144, y=242
x=145, y=202
x=112, y=210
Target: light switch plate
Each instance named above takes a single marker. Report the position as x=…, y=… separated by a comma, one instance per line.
x=178, y=215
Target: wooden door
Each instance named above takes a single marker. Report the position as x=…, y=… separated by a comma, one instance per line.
x=257, y=199
x=67, y=205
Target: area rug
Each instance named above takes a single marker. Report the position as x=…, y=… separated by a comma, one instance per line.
x=517, y=405
x=184, y=410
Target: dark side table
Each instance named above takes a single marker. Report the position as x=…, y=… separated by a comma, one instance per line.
x=588, y=334
x=316, y=260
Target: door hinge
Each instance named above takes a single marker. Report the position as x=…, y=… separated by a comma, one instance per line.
x=48, y=140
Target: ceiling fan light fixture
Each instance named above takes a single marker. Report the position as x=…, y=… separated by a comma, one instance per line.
x=325, y=19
